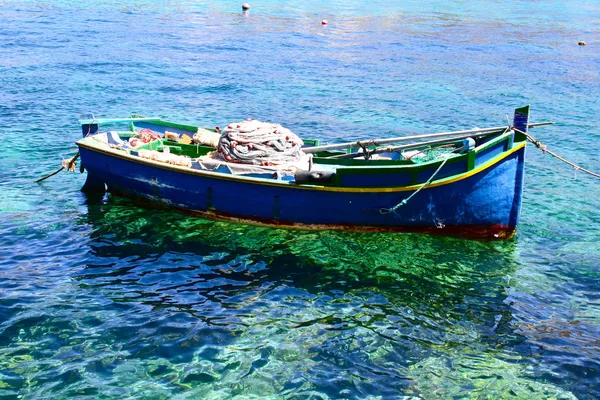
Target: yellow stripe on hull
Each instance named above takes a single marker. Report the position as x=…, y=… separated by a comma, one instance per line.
x=267, y=182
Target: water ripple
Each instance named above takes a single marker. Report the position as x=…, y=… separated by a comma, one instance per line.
x=102, y=298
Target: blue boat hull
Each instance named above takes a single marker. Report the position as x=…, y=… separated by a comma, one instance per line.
x=484, y=203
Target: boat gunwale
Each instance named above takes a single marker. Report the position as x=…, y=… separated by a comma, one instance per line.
x=118, y=153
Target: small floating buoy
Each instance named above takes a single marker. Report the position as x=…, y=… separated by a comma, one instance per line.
x=324, y=22
x=581, y=43
x=245, y=6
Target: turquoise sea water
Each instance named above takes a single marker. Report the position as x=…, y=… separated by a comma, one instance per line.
x=100, y=298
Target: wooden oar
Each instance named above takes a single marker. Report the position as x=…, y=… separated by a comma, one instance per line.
x=75, y=157
x=376, y=142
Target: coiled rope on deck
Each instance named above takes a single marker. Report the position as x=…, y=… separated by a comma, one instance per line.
x=544, y=149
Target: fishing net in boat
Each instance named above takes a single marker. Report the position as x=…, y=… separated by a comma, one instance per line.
x=260, y=143
x=429, y=154
x=143, y=136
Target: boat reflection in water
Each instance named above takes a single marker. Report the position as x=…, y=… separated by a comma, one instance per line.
x=227, y=308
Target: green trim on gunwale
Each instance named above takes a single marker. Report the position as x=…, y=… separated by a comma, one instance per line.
x=93, y=146
x=134, y=119
x=366, y=167
x=394, y=165
x=191, y=128
x=104, y=121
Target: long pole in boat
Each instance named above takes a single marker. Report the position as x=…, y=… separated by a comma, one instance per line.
x=376, y=142
x=391, y=149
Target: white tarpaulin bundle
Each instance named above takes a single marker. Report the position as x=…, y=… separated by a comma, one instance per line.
x=260, y=143
x=166, y=157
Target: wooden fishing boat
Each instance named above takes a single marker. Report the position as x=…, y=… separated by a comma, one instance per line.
x=473, y=188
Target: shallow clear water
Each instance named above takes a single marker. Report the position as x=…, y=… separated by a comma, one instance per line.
x=102, y=298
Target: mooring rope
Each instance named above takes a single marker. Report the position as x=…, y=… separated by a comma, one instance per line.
x=544, y=149
x=70, y=164
x=403, y=202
